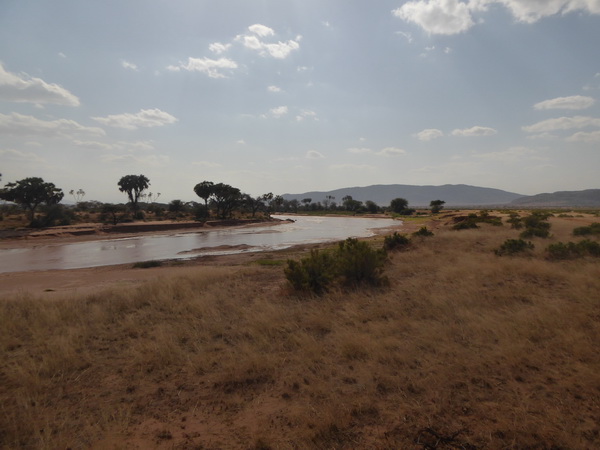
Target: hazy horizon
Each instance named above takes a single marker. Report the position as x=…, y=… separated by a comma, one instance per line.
x=299, y=96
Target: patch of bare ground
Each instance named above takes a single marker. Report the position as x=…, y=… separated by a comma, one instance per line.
x=464, y=349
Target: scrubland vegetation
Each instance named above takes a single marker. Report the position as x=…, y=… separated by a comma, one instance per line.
x=461, y=348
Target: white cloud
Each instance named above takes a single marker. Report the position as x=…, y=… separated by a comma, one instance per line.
x=306, y=113
x=358, y=151
x=128, y=65
x=261, y=30
x=240, y=142
x=581, y=136
x=146, y=118
x=406, y=35
x=218, y=48
x=278, y=112
x=455, y=16
x=274, y=89
x=429, y=134
x=21, y=125
x=572, y=102
x=210, y=67
x=25, y=89
x=391, y=151
x=278, y=50
x=62, y=55
x=562, y=123
x=474, y=131
x=313, y=154
x=530, y=11
x=437, y=16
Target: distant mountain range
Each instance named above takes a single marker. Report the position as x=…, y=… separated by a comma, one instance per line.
x=588, y=198
x=455, y=195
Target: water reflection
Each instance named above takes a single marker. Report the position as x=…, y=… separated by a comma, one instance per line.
x=190, y=244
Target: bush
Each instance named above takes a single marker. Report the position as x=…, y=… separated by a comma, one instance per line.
x=471, y=221
x=423, y=231
x=572, y=250
x=53, y=215
x=358, y=262
x=311, y=274
x=395, y=242
x=593, y=229
x=514, y=246
x=515, y=220
x=536, y=225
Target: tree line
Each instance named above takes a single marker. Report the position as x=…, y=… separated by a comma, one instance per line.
x=219, y=200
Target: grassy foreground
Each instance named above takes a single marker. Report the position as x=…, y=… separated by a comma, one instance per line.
x=464, y=349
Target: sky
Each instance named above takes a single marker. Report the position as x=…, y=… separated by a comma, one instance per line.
x=290, y=96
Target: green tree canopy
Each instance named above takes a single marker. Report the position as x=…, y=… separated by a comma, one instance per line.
x=30, y=193
x=133, y=186
x=436, y=206
x=225, y=198
x=204, y=190
x=399, y=205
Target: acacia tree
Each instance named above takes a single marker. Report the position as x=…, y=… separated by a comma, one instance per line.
x=436, y=206
x=400, y=206
x=225, y=198
x=30, y=193
x=133, y=186
x=204, y=190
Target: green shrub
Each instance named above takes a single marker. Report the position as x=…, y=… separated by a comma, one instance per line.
x=471, y=221
x=357, y=262
x=311, y=274
x=147, y=264
x=536, y=225
x=354, y=261
x=515, y=220
x=423, y=231
x=395, y=241
x=593, y=229
x=572, y=250
x=514, y=246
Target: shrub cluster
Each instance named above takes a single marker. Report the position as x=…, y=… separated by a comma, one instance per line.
x=514, y=246
x=536, y=225
x=355, y=262
x=311, y=274
x=423, y=231
x=395, y=241
x=593, y=229
x=471, y=221
x=571, y=250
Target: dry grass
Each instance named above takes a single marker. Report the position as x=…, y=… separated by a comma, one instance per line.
x=463, y=349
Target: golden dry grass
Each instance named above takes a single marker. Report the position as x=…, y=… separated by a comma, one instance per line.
x=463, y=349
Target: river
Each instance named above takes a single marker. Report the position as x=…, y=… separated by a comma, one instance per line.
x=185, y=245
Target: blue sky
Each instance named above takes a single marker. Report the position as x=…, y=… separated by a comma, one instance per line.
x=288, y=96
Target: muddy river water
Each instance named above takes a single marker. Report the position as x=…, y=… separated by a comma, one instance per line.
x=183, y=245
